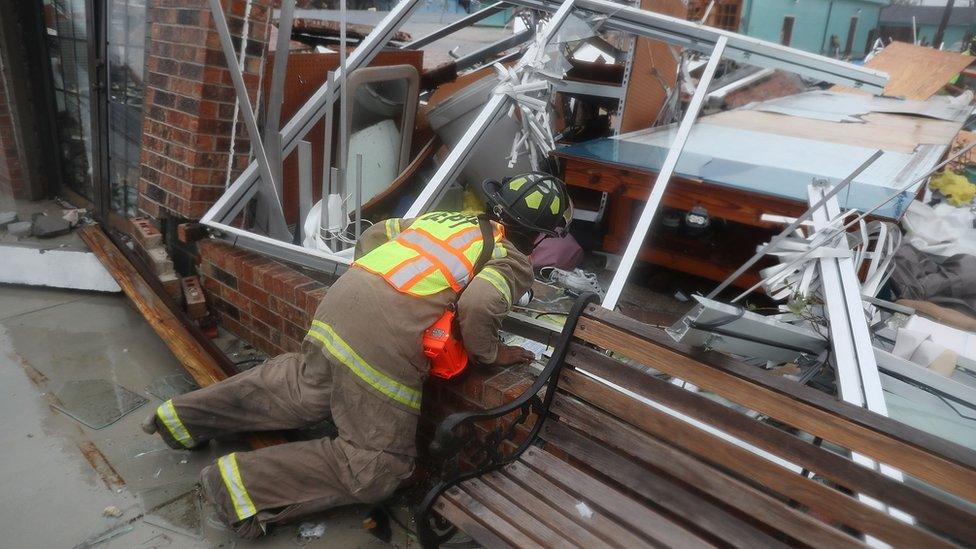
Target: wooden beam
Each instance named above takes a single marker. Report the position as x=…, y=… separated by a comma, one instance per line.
x=202, y=366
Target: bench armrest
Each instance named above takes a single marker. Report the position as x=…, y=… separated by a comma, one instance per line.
x=457, y=430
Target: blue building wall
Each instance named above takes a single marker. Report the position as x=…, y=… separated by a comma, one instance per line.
x=815, y=21
x=953, y=35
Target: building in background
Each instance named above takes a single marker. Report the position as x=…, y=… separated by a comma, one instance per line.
x=723, y=14
x=838, y=28
x=896, y=24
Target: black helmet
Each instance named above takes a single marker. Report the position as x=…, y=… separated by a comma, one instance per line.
x=535, y=201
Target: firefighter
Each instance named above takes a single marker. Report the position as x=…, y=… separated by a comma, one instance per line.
x=362, y=362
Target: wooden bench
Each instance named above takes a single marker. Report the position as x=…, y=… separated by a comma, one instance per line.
x=657, y=465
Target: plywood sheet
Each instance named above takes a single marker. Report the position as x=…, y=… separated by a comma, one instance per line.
x=915, y=72
x=653, y=65
x=889, y=132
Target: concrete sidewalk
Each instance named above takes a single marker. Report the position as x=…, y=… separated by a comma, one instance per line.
x=58, y=476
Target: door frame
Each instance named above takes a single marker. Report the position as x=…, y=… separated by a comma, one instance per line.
x=100, y=205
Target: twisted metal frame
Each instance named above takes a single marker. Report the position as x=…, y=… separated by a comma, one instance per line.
x=457, y=434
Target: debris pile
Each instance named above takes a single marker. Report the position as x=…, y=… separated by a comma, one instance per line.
x=814, y=219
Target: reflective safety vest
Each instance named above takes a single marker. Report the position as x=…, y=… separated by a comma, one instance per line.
x=436, y=252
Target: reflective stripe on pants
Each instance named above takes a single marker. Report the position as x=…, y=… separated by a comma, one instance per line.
x=342, y=352
x=167, y=413
x=243, y=506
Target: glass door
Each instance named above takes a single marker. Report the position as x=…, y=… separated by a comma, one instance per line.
x=100, y=125
x=66, y=26
x=126, y=65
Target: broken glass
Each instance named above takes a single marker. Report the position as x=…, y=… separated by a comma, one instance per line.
x=167, y=387
x=97, y=403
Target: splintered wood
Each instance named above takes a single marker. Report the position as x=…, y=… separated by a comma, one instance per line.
x=915, y=72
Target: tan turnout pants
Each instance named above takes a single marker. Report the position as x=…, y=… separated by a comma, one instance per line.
x=373, y=452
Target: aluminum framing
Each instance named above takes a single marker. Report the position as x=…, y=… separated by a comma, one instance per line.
x=276, y=216
x=628, y=19
x=795, y=224
x=744, y=333
x=898, y=367
x=590, y=88
x=243, y=188
x=464, y=22
x=858, y=379
x=703, y=39
x=272, y=114
x=663, y=178
x=493, y=110
x=478, y=56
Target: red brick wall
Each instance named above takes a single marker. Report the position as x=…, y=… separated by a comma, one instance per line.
x=190, y=103
x=481, y=388
x=264, y=302
x=12, y=182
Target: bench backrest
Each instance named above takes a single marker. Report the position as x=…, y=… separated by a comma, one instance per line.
x=724, y=475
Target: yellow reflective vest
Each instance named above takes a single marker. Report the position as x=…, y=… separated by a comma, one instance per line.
x=436, y=252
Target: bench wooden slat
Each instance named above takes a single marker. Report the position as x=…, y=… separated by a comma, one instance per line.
x=941, y=515
x=709, y=480
x=599, y=522
x=753, y=392
x=925, y=441
x=479, y=522
x=542, y=510
x=707, y=517
x=514, y=514
x=656, y=527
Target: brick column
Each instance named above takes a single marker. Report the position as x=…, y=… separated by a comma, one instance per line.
x=194, y=140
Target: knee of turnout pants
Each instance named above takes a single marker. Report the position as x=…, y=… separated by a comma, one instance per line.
x=374, y=452
x=282, y=483
x=286, y=392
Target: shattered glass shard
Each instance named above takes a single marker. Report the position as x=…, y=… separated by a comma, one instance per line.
x=167, y=387
x=96, y=403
